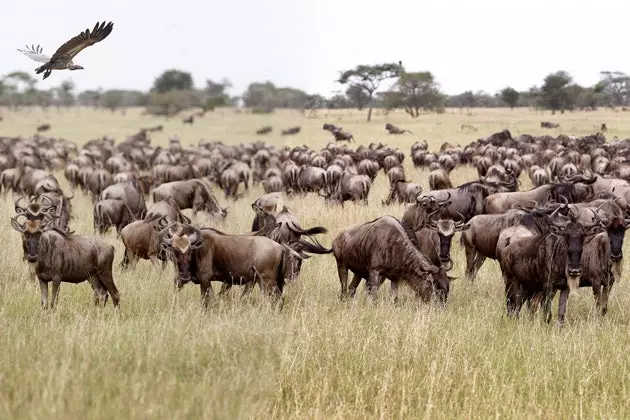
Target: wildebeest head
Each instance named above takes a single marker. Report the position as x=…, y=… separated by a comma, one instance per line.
x=446, y=229
x=31, y=230
x=616, y=226
x=573, y=233
x=181, y=240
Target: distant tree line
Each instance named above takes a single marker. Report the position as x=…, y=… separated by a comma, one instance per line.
x=386, y=86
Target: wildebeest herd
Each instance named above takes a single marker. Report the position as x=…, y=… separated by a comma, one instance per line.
x=564, y=233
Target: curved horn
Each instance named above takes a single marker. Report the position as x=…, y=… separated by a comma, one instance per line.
x=18, y=207
x=448, y=266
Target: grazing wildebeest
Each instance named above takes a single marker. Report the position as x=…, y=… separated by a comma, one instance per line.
x=547, y=124
x=351, y=187
x=192, y=194
x=439, y=180
x=168, y=209
x=381, y=248
x=60, y=256
x=291, y=131
x=206, y=255
x=264, y=130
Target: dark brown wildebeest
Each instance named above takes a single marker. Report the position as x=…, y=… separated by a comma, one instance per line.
x=330, y=127
x=141, y=241
x=272, y=184
x=111, y=213
x=288, y=231
x=381, y=249
x=392, y=129
x=167, y=209
x=264, y=130
x=189, y=120
x=192, y=194
x=403, y=192
x=206, y=255
x=131, y=193
x=341, y=135
x=439, y=180
x=480, y=240
x=352, y=187
x=547, y=124
x=43, y=127
x=291, y=131
x=547, y=260
x=311, y=179
x=60, y=256
x=603, y=128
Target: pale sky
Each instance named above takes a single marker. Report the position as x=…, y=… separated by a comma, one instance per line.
x=467, y=44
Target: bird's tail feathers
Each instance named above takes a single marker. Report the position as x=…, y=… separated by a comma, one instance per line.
x=46, y=68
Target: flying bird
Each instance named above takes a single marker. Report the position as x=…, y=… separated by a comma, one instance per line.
x=62, y=58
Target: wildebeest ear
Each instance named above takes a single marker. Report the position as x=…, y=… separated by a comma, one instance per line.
x=16, y=225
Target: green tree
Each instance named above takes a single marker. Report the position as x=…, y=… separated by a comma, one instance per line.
x=555, y=94
x=216, y=94
x=358, y=97
x=510, y=96
x=66, y=95
x=173, y=80
x=616, y=84
x=414, y=91
x=369, y=78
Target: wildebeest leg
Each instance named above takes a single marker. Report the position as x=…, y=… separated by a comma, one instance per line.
x=604, y=299
x=154, y=261
x=354, y=284
x=100, y=292
x=225, y=287
x=249, y=286
x=597, y=294
x=342, y=271
x=56, y=282
x=125, y=260
x=374, y=281
x=107, y=281
x=207, y=295
x=547, y=299
x=393, y=290
x=562, y=305
x=43, y=285
x=479, y=260
x=471, y=254
x=534, y=302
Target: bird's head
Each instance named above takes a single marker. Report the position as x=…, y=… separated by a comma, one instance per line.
x=75, y=67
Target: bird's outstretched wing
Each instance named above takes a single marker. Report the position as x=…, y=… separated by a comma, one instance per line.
x=35, y=53
x=83, y=40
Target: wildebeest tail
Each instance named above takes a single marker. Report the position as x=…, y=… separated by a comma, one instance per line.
x=311, y=248
x=280, y=275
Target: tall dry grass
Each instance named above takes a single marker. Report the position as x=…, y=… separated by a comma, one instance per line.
x=161, y=356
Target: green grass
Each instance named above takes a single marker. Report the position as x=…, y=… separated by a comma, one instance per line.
x=163, y=357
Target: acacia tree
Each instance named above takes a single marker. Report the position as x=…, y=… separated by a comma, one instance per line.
x=510, y=96
x=616, y=84
x=369, y=78
x=555, y=93
x=414, y=91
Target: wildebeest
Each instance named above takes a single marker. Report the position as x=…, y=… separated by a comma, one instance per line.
x=131, y=193
x=381, y=249
x=168, y=209
x=547, y=260
x=341, y=135
x=192, y=194
x=352, y=187
x=291, y=131
x=500, y=202
x=403, y=192
x=392, y=129
x=141, y=241
x=60, y=256
x=547, y=124
x=205, y=255
x=110, y=212
x=188, y=120
x=43, y=127
x=439, y=180
x=264, y=130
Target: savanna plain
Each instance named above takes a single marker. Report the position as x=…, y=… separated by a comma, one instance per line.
x=162, y=356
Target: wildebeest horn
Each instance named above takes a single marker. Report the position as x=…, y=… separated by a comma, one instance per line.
x=448, y=266
x=18, y=207
x=599, y=219
x=16, y=225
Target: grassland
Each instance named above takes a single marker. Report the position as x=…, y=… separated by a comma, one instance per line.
x=162, y=357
